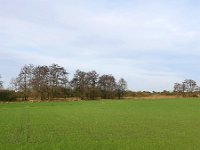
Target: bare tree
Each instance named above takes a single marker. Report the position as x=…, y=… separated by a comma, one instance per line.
x=1, y=83
x=14, y=85
x=57, y=78
x=107, y=85
x=40, y=82
x=178, y=87
x=79, y=83
x=24, y=80
x=92, y=80
x=85, y=84
x=121, y=88
x=64, y=83
x=190, y=85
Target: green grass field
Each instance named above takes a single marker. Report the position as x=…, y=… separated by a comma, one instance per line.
x=101, y=125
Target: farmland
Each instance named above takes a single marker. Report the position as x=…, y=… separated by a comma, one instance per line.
x=163, y=124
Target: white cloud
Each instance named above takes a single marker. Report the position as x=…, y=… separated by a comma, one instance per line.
x=151, y=45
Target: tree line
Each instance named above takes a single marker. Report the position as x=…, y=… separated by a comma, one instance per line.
x=188, y=87
x=52, y=82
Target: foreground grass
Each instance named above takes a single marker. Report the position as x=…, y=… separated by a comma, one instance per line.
x=101, y=125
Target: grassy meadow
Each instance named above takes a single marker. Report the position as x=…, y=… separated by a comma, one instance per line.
x=164, y=124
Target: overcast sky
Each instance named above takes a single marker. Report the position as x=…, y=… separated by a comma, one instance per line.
x=150, y=43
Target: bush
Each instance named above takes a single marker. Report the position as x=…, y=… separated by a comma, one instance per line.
x=7, y=95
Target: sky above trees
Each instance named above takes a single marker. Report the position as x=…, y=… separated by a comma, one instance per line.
x=151, y=44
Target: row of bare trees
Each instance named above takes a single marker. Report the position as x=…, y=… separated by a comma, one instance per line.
x=187, y=88
x=52, y=82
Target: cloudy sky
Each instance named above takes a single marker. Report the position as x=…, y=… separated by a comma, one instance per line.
x=150, y=43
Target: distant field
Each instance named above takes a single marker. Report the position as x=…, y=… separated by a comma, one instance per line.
x=101, y=125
